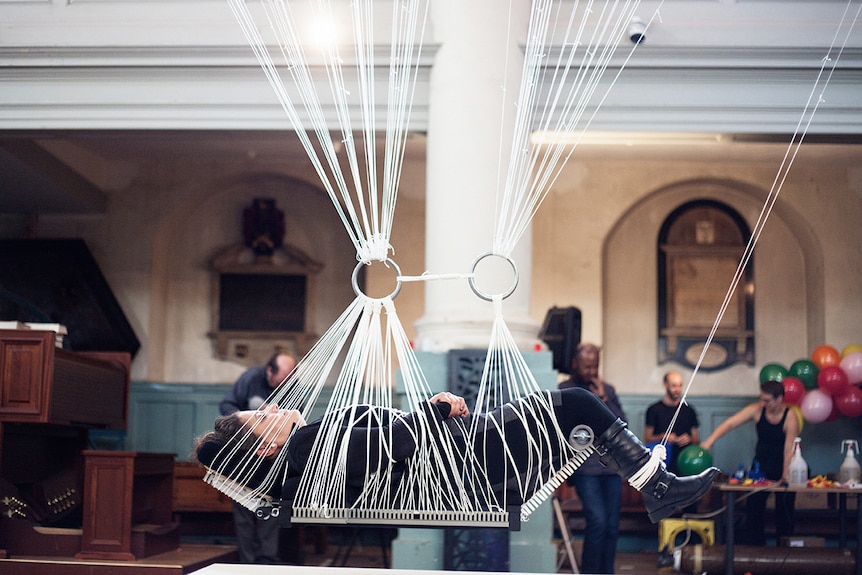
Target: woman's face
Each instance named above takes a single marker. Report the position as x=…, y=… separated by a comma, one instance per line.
x=272, y=425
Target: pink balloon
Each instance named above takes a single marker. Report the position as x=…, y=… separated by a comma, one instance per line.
x=849, y=403
x=794, y=390
x=852, y=366
x=816, y=406
x=832, y=380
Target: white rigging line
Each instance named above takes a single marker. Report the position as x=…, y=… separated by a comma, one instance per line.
x=430, y=485
x=571, y=83
x=365, y=209
x=376, y=348
x=815, y=98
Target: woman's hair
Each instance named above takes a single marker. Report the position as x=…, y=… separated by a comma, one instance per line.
x=773, y=388
x=226, y=429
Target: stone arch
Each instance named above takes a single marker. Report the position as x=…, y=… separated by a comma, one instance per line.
x=789, y=299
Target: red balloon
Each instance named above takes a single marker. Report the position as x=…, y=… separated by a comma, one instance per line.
x=835, y=414
x=849, y=403
x=825, y=355
x=832, y=380
x=794, y=390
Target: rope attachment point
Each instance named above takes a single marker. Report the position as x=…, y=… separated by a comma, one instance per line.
x=354, y=280
x=472, y=278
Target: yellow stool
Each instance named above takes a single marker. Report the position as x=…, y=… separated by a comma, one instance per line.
x=668, y=529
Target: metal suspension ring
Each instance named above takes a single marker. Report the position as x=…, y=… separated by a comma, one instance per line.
x=472, y=278
x=354, y=279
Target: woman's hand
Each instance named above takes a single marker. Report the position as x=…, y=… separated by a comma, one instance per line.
x=457, y=405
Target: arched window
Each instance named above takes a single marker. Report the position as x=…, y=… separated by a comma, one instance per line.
x=699, y=249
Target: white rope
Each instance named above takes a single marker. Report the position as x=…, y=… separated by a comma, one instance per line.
x=441, y=478
x=365, y=209
x=446, y=478
x=571, y=84
x=815, y=98
x=642, y=476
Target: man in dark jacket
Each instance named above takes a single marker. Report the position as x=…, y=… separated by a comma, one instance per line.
x=257, y=540
x=599, y=487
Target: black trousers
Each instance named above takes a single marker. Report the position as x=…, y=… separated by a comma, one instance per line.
x=519, y=442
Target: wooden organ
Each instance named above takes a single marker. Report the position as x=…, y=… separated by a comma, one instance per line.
x=56, y=496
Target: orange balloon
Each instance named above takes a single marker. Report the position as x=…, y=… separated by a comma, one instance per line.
x=825, y=355
x=853, y=347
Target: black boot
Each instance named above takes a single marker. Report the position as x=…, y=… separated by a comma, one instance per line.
x=664, y=493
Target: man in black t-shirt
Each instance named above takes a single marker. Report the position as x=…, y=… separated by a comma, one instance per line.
x=660, y=414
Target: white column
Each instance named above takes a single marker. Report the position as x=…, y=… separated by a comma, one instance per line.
x=472, y=96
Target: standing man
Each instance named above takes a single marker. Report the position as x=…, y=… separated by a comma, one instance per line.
x=660, y=414
x=599, y=488
x=257, y=539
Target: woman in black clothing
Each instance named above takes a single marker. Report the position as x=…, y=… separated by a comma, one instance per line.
x=381, y=437
x=777, y=430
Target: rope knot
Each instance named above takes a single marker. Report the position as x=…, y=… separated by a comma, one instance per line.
x=650, y=468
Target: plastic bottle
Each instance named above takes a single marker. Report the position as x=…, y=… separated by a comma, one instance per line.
x=754, y=473
x=798, y=472
x=850, y=472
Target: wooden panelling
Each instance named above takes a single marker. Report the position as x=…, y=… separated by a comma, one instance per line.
x=123, y=489
x=40, y=383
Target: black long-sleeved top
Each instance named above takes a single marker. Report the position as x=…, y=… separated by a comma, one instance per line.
x=380, y=437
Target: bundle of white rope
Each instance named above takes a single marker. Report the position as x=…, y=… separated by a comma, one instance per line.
x=371, y=349
x=444, y=482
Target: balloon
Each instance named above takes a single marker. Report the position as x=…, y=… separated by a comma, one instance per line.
x=693, y=459
x=794, y=390
x=848, y=349
x=772, y=372
x=806, y=371
x=849, y=403
x=799, y=419
x=832, y=380
x=852, y=366
x=817, y=406
x=825, y=355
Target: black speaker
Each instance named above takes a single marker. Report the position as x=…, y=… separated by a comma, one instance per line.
x=562, y=332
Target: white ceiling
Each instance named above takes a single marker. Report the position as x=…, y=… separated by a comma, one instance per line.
x=90, y=91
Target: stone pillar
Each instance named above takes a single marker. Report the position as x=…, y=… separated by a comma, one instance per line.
x=470, y=128
x=531, y=550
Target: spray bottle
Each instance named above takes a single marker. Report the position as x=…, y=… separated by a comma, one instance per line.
x=798, y=472
x=850, y=472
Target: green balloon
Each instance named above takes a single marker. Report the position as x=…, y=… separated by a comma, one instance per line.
x=693, y=459
x=773, y=372
x=806, y=371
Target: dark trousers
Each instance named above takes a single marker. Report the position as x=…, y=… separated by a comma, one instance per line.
x=256, y=539
x=519, y=443
x=601, y=496
x=754, y=532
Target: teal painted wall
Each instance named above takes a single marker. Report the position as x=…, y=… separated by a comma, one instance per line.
x=167, y=418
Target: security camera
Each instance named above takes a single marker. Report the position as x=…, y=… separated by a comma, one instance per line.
x=637, y=31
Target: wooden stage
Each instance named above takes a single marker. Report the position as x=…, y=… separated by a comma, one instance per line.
x=186, y=559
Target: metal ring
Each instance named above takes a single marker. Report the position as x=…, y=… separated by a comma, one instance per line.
x=354, y=280
x=472, y=278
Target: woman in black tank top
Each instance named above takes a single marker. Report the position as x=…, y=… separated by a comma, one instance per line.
x=772, y=456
